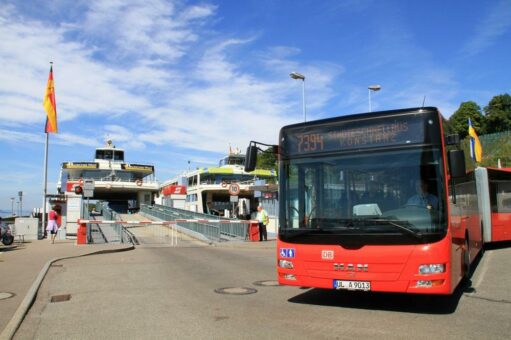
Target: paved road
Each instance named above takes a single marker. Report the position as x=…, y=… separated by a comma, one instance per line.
x=20, y=265
x=169, y=292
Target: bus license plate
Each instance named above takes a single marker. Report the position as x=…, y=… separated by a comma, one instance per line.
x=352, y=285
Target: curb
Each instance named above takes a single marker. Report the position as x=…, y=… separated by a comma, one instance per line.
x=16, y=320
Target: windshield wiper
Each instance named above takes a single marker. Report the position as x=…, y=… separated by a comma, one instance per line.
x=398, y=224
x=354, y=224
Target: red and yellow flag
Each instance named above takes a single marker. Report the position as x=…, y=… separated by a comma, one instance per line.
x=50, y=106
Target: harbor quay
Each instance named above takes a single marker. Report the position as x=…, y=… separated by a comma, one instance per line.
x=197, y=290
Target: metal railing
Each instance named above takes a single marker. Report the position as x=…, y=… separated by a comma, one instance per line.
x=215, y=232
x=112, y=233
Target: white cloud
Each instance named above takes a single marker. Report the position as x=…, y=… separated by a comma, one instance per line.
x=491, y=27
x=200, y=105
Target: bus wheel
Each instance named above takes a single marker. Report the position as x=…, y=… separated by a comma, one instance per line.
x=466, y=259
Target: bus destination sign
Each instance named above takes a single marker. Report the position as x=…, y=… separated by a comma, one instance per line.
x=349, y=135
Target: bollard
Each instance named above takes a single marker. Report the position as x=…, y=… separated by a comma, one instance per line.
x=253, y=231
x=81, y=234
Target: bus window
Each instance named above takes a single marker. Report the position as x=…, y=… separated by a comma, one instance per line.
x=503, y=193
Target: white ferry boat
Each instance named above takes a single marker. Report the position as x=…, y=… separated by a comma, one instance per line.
x=226, y=190
x=123, y=185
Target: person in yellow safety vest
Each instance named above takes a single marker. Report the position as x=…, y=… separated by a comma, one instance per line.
x=263, y=219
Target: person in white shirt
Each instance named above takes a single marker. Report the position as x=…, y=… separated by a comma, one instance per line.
x=423, y=198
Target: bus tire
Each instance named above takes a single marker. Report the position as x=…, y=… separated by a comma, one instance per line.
x=466, y=259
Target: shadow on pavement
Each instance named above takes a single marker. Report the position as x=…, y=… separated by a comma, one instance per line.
x=407, y=303
x=497, y=245
x=5, y=249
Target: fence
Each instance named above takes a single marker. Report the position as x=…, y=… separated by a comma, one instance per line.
x=213, y=228
x=173, y=225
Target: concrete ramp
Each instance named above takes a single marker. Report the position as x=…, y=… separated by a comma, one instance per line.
x=156, y=235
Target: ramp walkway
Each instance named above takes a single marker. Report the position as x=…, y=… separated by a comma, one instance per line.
x=203, y=226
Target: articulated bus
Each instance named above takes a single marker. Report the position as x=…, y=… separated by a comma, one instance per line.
x=494, y=194
x=376, y=202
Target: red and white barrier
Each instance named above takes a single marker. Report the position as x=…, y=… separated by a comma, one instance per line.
x=252, y=225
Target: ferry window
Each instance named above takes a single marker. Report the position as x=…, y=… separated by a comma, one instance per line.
x=191, y=198
x=100, y=154
x=119, y=155
x=107, y=154
x=192, y=181
x=207, y=179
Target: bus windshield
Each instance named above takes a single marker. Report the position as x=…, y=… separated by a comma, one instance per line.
x=392, y=196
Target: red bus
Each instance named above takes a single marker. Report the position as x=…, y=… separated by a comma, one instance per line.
x=494, y=194
x=374, y=202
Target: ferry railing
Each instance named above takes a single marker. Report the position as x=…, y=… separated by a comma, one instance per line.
x=114, y=233
x=99, y=180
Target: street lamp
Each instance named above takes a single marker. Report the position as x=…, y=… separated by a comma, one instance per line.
x=372, y=88
x=20, y=194
x=299, y=76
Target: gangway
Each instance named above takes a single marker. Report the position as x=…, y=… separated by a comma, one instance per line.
x=214, y=228
x=172, y=227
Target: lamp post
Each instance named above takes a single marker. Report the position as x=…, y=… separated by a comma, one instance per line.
x=20, y=194
x=372, y=88
x=299, y=76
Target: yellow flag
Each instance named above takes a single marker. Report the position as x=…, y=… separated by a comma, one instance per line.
x=476, y=150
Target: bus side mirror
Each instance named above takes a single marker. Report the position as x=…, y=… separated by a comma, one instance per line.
x=251, y=158
x=456, y=159
x=452, y=139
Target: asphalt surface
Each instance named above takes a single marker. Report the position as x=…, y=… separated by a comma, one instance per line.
x=156, y=292
x=22, y=267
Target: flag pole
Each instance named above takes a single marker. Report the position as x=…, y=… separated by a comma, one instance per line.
x=45, y=184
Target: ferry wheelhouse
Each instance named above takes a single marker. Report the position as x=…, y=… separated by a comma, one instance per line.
x=123, y=185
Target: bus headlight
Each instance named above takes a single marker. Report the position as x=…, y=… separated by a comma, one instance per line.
x=425, y=269
x=286, y=264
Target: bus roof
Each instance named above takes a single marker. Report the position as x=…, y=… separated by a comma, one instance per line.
x=366, y=115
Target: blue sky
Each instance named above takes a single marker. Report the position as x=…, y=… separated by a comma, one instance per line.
x=177, y=81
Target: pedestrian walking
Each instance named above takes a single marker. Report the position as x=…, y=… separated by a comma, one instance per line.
x=263, y=219
x=52, y=226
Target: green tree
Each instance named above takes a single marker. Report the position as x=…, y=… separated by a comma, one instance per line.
x=498, y=114
x=458, y=122
x=447, y=127
x=267, y=160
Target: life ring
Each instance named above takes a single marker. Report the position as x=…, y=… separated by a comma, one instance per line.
x=138, y=182
x=224, y=184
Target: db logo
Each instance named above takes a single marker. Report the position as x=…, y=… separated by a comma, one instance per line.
x=327, y=254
